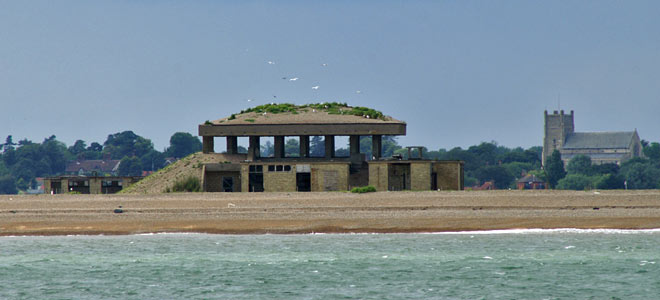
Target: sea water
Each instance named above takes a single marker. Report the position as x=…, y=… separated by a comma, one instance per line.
x=528, y=264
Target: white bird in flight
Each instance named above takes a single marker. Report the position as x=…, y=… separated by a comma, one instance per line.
x=271, y=62
x=316, y=87
x=324, y=65
x=249, y=100
x=293, y=79
x=357, y=92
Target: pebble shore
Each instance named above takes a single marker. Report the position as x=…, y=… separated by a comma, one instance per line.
x=328, y=212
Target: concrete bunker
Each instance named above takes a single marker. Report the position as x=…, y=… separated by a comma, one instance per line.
x=307, y=171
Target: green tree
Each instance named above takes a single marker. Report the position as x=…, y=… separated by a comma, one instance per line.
x=640, y=173
x=126, y=143
x=317, y=146
x=554, y=167
x=576, y=182
x=182, y=144
x=652, y=151
x=152, y=161
x=603, y=169
x=292, y=148
x=9, y=144
x=503, y=179
x=130, y=166
x=78, y=147
x=580, y=164
x=609, y=182
x=267, y=149
x=8, y=185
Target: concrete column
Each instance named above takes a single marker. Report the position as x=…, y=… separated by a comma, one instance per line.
x=329, y=146
x=254, y=150
x=376, y=146
x=279, y=146
x=232, y=145
x=207, y=144
x=354, y=144
x=304, y=146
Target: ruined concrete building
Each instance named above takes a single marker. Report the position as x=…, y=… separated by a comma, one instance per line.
x=281, y=172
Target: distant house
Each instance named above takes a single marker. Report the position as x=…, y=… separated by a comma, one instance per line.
x=487, y=186
x=93, y=167
x=601, y=147
x=531, y=182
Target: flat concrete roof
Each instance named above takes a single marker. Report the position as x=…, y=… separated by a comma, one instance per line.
x=304, y=121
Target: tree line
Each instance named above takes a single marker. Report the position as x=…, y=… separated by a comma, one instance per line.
x=22, y=162
x=580, y=173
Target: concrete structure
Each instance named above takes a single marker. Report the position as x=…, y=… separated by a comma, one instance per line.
x=87, y=184
x=303, y=172
x=602, y=147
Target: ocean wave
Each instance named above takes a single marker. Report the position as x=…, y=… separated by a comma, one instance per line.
x=554, y=230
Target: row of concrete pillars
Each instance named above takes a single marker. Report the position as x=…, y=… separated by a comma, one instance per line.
x=254, y=148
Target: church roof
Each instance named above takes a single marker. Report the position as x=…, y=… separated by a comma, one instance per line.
x=598, y=140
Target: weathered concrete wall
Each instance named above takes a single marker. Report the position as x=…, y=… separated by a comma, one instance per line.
x=95, y=185
x=245, y=179
x=398, y=177
x=279, y=181
x=206, y=130
x=213, y=180
x=329, y=177
x=449, y=175
x=378, y=176
x=420, y=176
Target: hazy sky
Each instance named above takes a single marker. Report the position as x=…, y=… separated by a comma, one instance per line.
x=458, y=72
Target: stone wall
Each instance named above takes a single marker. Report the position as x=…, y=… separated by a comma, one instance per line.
x=213, y=180
x=420, y=176
x=280, y=181
x=378, y=175
x=329, y=176
x=449, y=175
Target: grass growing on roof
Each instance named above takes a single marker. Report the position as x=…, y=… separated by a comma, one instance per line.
x=333, y=108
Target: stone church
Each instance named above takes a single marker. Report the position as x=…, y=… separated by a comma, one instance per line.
x=603, y=147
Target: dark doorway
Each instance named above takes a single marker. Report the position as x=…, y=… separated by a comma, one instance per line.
x=434, y=181
x=256, y=182
x=304, y=182
x=56, y=187
x=256, y=178
x=399, y=177
x=227, y=184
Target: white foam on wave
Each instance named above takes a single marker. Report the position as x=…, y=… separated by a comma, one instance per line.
x=556, y=230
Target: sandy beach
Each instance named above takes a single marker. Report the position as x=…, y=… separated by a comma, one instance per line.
x=331, y=212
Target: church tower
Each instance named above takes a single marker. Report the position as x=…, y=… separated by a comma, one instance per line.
x=558, y=126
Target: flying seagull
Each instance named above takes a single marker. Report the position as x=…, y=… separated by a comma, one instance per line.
x=316, y=87
x=271, y=62
x=293, y=79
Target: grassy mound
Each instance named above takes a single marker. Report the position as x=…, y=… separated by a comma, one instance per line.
x=180, y=171
x=335, y=108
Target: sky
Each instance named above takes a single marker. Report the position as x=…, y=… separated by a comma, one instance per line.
x=458, y=72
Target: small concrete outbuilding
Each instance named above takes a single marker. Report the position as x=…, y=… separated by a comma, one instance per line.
x=250, y=172
x=87, y=184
